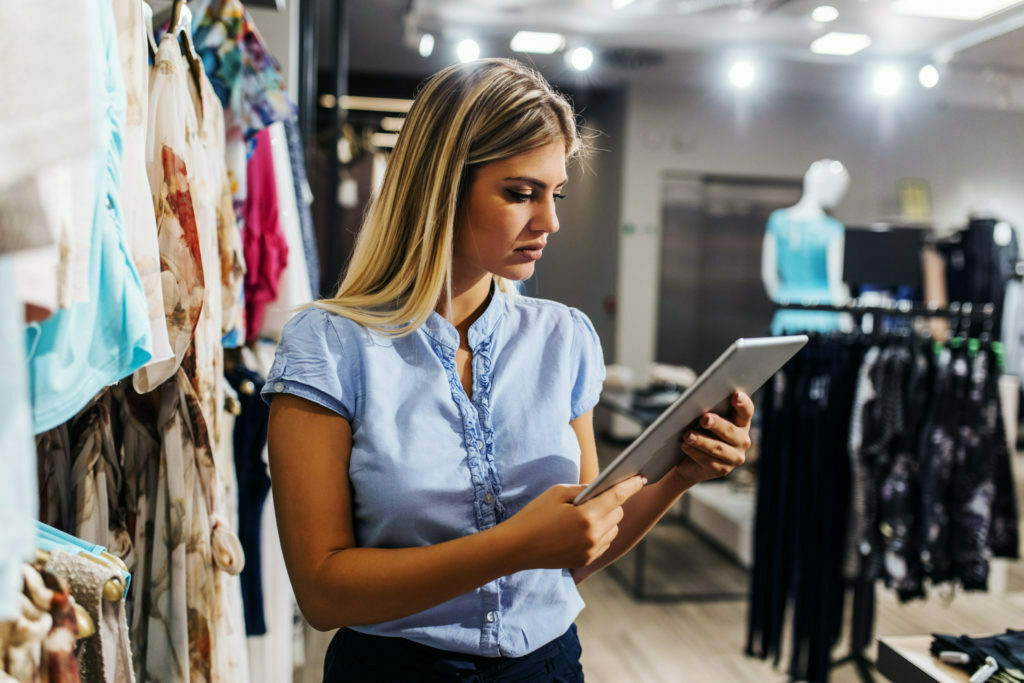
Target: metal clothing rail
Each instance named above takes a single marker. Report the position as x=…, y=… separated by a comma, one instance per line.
x=900, y=308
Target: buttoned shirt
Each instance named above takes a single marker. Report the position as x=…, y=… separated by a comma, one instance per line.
x=430, y=464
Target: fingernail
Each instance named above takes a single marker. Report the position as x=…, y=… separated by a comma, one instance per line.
x=643, y=481
x=691, y=437
x=708, y=421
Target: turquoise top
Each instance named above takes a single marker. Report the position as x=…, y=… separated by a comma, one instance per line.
x=802, y=265
x=76, y=352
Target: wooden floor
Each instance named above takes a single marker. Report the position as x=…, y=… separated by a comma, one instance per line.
x=626, y=641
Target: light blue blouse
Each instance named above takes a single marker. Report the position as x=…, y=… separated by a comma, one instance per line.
x=429, y=464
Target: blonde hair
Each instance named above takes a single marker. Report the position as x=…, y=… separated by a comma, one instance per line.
x=463, y=117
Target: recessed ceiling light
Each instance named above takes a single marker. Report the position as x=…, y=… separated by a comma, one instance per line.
x=928, y=76
x=742, y=75
x=825, y=14
x=467, y=50
x=964, y=10
x=887, y=81
x=540, y=43
x=838, y=43
x=581, y=58
x=426, y=45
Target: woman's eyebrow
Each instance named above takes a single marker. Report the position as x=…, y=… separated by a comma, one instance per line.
x=540, y=184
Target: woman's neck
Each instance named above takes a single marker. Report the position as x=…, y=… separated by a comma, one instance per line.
x=469, y=301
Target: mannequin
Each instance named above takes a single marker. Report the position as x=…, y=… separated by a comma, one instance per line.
x=802, y=255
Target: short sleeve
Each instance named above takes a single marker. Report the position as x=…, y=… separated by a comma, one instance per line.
x=587, y=364
x=312, y=362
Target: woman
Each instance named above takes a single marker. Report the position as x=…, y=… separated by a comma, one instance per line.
x=430, y=428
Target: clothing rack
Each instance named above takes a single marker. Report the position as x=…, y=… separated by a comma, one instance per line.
x=955, y=310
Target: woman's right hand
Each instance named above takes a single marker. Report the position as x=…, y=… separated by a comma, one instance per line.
x=553, y=533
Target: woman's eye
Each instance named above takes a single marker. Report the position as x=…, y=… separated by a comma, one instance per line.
x=519, y=196
x=559, y=195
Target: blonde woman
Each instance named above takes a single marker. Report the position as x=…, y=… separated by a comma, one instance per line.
x=430, y=428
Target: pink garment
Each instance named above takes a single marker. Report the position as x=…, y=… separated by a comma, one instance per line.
x=263, y=240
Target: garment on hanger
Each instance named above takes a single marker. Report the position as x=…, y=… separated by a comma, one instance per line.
x=250, y=438
x=107, y=655
x=42, y=124
x=78, y=351
x=266, y=248
x=878, y=461
x=303, y=200
x=136, y=199
x=293, y=290
x=802, y=262
x=19, y=503
x=170, y=153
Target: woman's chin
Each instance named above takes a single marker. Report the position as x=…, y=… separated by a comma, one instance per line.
x=516, y=272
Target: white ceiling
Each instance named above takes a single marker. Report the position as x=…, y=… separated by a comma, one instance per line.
x=985, y=58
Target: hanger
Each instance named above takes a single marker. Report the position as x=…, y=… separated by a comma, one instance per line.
x=147, y=25
x=181, y=23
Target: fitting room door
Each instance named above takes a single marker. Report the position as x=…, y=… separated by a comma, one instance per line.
x=711, y=233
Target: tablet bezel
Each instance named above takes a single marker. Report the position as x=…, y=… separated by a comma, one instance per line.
x=745, y=366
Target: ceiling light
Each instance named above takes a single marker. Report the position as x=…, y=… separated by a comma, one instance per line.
x=887, y=81
x=541, y=43
x=392, y=123
x=381, y=104
x=426, y=45
x=825, y=14
x=742, y=75
x=929, y=76
x=843, y=44
x=467, y=50
x=581, y=58
x=619, y=4
x=964, y=10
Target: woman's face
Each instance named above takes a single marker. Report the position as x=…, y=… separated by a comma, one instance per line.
x=509, y=214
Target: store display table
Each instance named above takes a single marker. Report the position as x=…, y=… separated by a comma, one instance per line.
x=908, y=659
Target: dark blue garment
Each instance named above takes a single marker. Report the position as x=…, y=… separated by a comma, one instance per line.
x=355, y=656
x=300, y=185
x=253, y=484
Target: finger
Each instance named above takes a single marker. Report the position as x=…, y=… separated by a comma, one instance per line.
x=568, y=492
x=726, y=431
x=743, y=409
x=716, y=467
x=714, y=449
x=617, y=495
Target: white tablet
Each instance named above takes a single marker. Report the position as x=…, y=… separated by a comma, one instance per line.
x=744, y=366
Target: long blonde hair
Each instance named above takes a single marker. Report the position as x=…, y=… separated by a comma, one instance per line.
x=463, y=117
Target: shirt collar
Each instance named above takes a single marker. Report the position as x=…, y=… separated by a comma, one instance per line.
x=438, y=327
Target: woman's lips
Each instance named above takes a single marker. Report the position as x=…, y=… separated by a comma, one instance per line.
x=530, y=254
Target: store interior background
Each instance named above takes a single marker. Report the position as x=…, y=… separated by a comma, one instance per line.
x=660, y=97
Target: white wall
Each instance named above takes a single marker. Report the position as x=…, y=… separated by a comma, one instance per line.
x=969, y=157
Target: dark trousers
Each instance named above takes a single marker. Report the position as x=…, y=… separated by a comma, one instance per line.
x=357, y=657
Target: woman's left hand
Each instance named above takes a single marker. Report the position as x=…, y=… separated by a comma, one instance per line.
x=723, y=445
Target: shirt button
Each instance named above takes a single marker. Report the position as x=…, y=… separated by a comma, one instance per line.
x=489, y=498
x=491, y=616
x=480, y=445
x=278, y=387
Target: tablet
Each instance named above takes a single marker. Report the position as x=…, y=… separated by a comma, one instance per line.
x=744, y=366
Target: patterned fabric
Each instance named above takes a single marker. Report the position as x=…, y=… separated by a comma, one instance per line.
x=474, y=464
x=170, y=152
x=59, y=645
x=136, y=200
